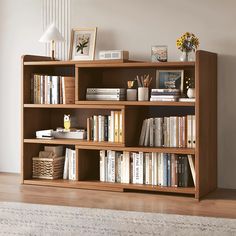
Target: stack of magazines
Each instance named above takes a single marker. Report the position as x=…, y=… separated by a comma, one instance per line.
x=107, y=94
x=164, y=95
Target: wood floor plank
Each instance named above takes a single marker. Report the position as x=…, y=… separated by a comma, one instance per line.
x=221, y=203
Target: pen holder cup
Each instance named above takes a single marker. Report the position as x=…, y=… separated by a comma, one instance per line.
x=131, y=94
x=143, y=94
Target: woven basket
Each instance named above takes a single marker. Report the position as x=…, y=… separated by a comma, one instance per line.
x=48, y=168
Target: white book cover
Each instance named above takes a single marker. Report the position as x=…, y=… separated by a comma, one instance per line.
x=143, y=132
x=112, y=127
x=193, y=131
x=102, y=165
x=127, y=167
x=55, y=90
x=160, y=168
x=151, y=132
x=66, y=165
x=111, y=166
x=154, y=168
x=140, y=168
x=147, y=136
x=134, y=157
x=189, y=131
x=70, y=163
x=95, y=128
x=122, y=169
x=146, y=171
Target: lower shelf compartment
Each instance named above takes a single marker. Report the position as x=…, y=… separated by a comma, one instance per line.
x=98, y=185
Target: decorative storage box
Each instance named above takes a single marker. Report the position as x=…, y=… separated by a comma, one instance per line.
x=48, y=168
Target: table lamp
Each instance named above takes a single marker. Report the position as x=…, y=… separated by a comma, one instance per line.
x=52, y=35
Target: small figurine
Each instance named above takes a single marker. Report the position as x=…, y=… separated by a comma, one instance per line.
x=67, y=122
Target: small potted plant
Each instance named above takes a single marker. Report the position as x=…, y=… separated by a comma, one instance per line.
x=187, y=43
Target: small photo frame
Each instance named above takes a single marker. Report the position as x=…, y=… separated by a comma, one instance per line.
x=170, y=79
x=82, y=46
x=159, y=53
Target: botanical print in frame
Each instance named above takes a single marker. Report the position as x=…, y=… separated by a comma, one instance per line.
x=83, y=41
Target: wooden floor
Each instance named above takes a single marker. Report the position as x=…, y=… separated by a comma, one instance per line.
x=221, y=203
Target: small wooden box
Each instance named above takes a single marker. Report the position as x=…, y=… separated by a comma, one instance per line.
x=48, y=168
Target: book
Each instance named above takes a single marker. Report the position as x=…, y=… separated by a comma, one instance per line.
x=72, y=165
x=187, y=100
x=68, y=89
x=105, y=97
x=120, y=127
x=55, y=90
x=189, y=131
x=143, y=132
x=73, y=134
x=116, y=126
x=102, y=165
x=66, y=165
x=192, y=168
x=105, y=91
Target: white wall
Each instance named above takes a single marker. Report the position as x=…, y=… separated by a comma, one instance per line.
x=20, y=29
x=133, y=25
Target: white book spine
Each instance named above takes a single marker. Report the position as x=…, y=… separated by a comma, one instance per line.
x=127, y=167
x=70, y=163
x=140, y=168
x=66, y=165
x=113, y=162
x=146, y=159
x=102, y=165
x=193, y=131
x=73, y=176
x=95, y=128
x=120, y=127
x=151, y=132
x=147, y=136
x=189, y=131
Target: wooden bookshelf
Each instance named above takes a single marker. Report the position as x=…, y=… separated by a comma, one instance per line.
x=98, y=74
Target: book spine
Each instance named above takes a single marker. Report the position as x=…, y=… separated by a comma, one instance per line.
x=100, y=127
x=105, y=91
x=88, y=129
x=66, y=165
x=193, y=131
x=147, y=134
x=189, y=131
x=118, y=166
x=112, y=129
x=140, y=168
x=168, y=170
x=143, y=131
x=120, y=127
x=106, y=128
x=165, y=170
x=116, y=126
x=151, y=132
x=95, y=128
x=102, y=165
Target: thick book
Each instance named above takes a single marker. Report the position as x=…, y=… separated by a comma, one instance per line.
x=105, y=91
x=73, y=165
x=75, y=134
x=55, y=90
x=163, y=99
x=105, y=97
x=68, y=90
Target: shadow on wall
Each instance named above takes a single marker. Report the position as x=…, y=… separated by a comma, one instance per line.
x=226, y=120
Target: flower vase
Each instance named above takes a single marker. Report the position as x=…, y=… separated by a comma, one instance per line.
x=187, y=56
x=191, y=92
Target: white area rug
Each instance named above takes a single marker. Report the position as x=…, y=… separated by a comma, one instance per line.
x=30, y=219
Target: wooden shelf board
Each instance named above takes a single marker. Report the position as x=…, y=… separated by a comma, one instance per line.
x=136, y=103
x=112, y=63
x=76, y=106
x=73, y=142
x=190, y=151
x=107, y=186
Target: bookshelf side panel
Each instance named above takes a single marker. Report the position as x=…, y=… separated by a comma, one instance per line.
x=206, y=112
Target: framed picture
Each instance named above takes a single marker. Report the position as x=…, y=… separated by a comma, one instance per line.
x=170, y=79
x=159, y=53
x=82, y=46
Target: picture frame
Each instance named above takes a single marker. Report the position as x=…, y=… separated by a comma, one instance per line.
x=159, y=53
x=83, y=43
x=170, y=79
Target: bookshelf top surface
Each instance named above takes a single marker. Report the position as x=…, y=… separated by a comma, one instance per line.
x=118, y=64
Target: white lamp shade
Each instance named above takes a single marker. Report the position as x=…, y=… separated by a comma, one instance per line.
x=51, y=34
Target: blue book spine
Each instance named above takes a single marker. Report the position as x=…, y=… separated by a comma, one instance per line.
x=168, y=170
x=165, y=170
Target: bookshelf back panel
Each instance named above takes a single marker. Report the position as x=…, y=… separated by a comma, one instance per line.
x=32, y=150
x=54, y=118
x=134, y=117
x=88, y=163
x=29, y=71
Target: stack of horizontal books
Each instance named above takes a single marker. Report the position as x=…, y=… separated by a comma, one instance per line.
x=106, y=94
x=165, y=95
